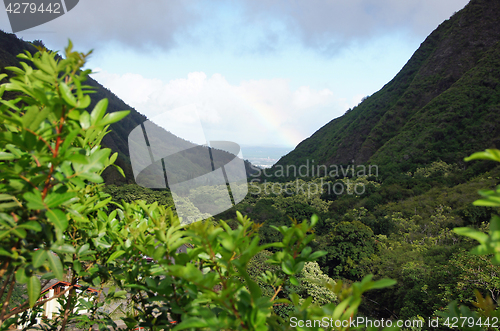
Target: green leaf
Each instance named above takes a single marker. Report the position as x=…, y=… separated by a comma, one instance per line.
x=286, y=268
x=55, y=265
x=11, y=104
x=113, y=117
x=63, y=249
x=314, y=220
x=45, y=67
x=8, y=205
x=489, y=154
x=4, y=252
x=85, y=120
x=21, y=233
x=42, y=115
x=306, y=252
x=96, y=281
x=84, y=102
x=4, y=234
x=472, y=233
x=99, y=111
x=78, y=183
x=482, y=250
x=317, y=255
x=66, y=169
x=93, y=177
x=56, y=199
x=115, y=255
x=7, y=197
x=67, y=95
x=21, y=276
x=78, y=158
x=74, y=114
x=95, y=162
x=34, y=288
x=253, y=287
x=16, y=70
x=4, y=156
x=47, y=275
x=77, y=266
x=495, y=228
x=120, y=170
x=383, y=283
x=34, y=199
x=120, y=294
x=31, y=225
x=84, y=250
x=113, y=157
x=58, y=218
x=486, y=203
x=38, y=257
x=191, y=322
x=68, y=140
x=298, y=267
x=30, y=115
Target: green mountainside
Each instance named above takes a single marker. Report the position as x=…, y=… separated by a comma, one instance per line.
x=117, y=139
x=10, y=46
x=443, y=104
x=395, y=223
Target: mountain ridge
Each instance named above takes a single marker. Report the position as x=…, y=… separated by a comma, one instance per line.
x=117, y=138
x=443, y=58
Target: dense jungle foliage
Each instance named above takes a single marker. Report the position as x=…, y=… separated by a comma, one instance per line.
x=342, y=240
x=59, y=222
x=442, y=105
x=400, y=228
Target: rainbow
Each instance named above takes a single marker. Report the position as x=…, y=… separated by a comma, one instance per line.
x=271, y=119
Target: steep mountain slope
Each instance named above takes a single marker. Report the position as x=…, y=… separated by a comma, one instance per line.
x=441, y=105
x=117, y=139
x=10, y=46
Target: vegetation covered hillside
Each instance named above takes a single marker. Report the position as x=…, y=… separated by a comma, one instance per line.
x=11, y=46
x=262, y=263
x=443, y=104
x=117, y=139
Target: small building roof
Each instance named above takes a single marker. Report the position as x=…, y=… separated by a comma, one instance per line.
x=55, y=283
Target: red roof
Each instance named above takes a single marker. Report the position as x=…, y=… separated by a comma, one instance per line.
x=63, y=283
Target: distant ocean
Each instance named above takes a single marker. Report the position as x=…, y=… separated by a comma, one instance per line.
x=264, y=157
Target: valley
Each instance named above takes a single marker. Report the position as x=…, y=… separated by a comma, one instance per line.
x=386, y=185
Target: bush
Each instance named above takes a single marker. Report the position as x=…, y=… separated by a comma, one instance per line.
x=56, y=223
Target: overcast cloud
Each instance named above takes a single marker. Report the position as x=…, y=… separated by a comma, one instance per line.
x=258, y=72
x=325, y=25
x=256, y=111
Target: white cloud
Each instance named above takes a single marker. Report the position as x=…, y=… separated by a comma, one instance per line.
x=255, y=112
x=329, y=26
x=142, y=87
x=304, y=97
x=250, y=25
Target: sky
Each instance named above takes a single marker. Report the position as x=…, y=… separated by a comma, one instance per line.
x=256, y=72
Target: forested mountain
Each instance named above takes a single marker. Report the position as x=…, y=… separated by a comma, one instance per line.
x=443, y=104
x=398, y=222
x=117, y=139
x=10, y=46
